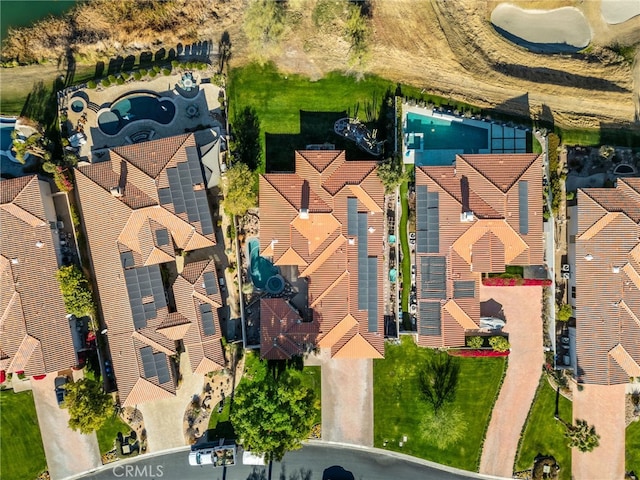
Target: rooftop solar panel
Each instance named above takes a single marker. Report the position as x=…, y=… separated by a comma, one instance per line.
x=363, y=269
x=164, y=195
x=148, y=363
x=352, y=216
x=427, y=220
x=523, y=198
x=144, y=282
x=373, y=294
x=162, y=236
x=464, y=288
x=162, y=369
x=127, y=259
x=433, y=277
x=209, y=281
x=206, y=315
x=429, y=318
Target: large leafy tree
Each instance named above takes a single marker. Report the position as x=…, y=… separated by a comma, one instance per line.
x=438, y=380
x=75, y=291
x=36, y=144
x=240, y=191
x=246, y=138
x=272, y=415
x=89, y=406
x=582, y=436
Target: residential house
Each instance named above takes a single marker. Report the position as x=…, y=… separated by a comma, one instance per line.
x=144, y=206
x=604, y=250
x=325, y=223
x=35, y=335
x=475, y=217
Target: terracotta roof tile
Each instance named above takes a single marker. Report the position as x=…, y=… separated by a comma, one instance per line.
x=503, y=170
x=626, y=362
x=358, y=347
x=283, y=333
x=297, y=192
x=460, y=315
x=351, y=173
x=317, y=228
x=320, y=159
x=365, y=199
x=336, y=333
x=291, y=257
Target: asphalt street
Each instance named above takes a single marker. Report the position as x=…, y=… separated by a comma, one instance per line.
x=313, y=462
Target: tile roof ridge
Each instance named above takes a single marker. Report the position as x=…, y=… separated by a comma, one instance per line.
x=327, y=290
x=599, y=225
x=459, y=315
x=334, y=189
x=324, y=256
x=12, y=187
x=624, y=360
x=305, y=154
x=138, y=335
x=466, y=158
x=360, y=346
x=140, y=392
x=268, y=176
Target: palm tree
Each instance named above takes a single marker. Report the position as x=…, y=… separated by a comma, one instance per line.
x=582, y=436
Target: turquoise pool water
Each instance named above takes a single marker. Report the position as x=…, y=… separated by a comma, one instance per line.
x=260, y=269
x=431, y=134
x=132, y=109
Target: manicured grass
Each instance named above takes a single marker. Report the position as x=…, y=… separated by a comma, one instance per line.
x=543, y=434
x=107, y=434
x=632, y=450
x=404, y=243
x=219, y=424
x=594, y=137
x=22, y=453
x=398, y=408
x=536, y=147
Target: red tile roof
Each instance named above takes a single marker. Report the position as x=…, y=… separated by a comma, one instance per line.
x=315, y=241
x=282, y=331
x=35, y=335
x=487, y=187
x=607, y=275
x=128, y=223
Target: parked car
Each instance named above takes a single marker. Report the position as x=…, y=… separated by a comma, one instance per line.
x=61, y=392
x=412, y=238
x=201, y=457
x=491, y=323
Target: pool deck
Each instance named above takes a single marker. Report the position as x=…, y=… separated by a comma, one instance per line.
x=496, y=134
x=101, y=98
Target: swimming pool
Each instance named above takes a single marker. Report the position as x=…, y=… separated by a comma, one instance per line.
x=6, y=127
x=260, y=269
x=134, y=108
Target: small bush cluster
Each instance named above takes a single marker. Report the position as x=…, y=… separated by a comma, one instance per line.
x=477, y=353
x=62, y=181
x=515, y=282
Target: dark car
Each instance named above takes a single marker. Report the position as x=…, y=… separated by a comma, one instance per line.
x=61, y=392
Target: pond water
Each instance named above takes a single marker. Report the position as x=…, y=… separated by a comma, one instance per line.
x=21, y=13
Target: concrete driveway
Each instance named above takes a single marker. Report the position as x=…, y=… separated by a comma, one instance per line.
x=347, y=400
x=602, y=406
x=522, y=308
x=68, y=452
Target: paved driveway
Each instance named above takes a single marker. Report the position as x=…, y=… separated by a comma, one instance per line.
x=522, y=309
x=602, y=406
x=68, y=452
x=347, y=400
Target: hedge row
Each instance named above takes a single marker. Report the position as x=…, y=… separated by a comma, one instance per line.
x=514, y=282
x=473, y=352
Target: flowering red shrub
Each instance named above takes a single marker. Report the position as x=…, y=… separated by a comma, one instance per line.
x=38, y=377
x=61, y=180
x=514, y=282
x=473, y=352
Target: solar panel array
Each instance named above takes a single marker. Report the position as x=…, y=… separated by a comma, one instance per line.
x=144, y=282
x=352, y=216
x=162, y=236
x=433, y=277
x=523, y=198
x=126, y=258
x=429, y=318
x=464, y=288
x=363, y=265
x=206, y=315
x=155, y=365
x=181, y=194
x=372, y=308
x=427, y=220
x=209, y=283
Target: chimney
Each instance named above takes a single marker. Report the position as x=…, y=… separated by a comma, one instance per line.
x=304, y=201
x=116, y=191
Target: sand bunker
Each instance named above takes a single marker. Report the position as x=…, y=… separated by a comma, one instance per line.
x=618, y=11
x=562, y=29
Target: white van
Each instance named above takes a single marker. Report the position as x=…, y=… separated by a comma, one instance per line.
x=249, y=458
x=201, y=457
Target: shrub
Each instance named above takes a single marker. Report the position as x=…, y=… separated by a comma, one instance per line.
x=475, y=342
x=175, y=63
x=571, y=195
x=143, y=72
x=105, y=82
x=112, y=78
x=137, y=75
x=120, y=81
x=126, y=76
x=49, y=167
x=166, y=71
x=201, y=66
x=61, y=180
x=76, y=293
x=563, y=312
x=499, y=344
x=91, y=84
x=156, y=68
x=152, y=73
x=476, y=353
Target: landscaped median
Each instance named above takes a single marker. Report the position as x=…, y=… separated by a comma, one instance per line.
x=400, y=412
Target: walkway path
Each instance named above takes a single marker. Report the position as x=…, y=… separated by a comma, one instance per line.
x=347, y=400
x=521, y=307
x=602, y=406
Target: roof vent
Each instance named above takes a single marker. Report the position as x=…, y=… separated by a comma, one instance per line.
x=304, y=213
x=588, y=257
x=116, y=191
x=15, y=261
x=466, y=217
x=615, y=269
x=352, y=241
x=39, y=244
x=371, y=229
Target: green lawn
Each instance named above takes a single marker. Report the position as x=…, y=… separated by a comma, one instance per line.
x=404, y=243
x=398, y=408
x=543, y=434
x=536, y=147
x=600, y=136
x=107, y=434
x=633, y=448
x=22, y=453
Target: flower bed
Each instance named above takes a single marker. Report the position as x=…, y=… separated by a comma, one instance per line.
x=515, y=282
x=476, y=352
